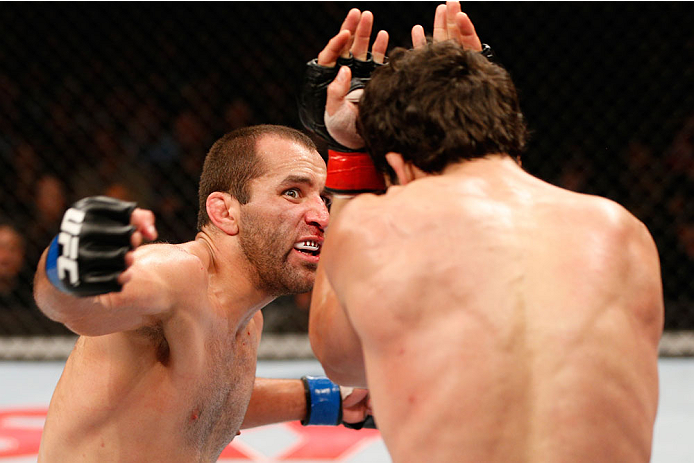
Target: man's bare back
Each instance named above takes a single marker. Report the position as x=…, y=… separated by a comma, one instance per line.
x=177, y=403
x=502, y=318
x=494, y=317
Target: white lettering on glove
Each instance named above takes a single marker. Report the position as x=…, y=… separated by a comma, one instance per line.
x=69, y=239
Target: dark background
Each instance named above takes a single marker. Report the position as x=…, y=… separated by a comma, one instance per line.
x=126, y=98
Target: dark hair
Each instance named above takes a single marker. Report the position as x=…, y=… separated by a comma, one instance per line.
x=233, y=161
x=438, y=105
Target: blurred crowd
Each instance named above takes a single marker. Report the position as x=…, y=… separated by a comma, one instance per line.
x=130, y=147
x=80, y=119
x=126, y=144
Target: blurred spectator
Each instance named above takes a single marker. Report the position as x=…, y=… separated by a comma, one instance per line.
x=644, y=181
x=147, y=139
x=238, y=114
x=50, y=202
x=178, y=181
x=120, y=191
x=173, y=227
x=24, y=173
x=680, y=155
x=685, y=235
x=9, y=112
x=111, y=165
x=18, y=312
x=13, y=291
x=577, y=172
x=194, y=139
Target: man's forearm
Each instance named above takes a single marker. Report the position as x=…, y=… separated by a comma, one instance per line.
x=55, y=304
x=332, y=336
x=275, y=401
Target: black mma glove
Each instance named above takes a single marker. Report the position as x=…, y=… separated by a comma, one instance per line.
x=350, y=169
x=314, y=93
x=368, y=423
x=488, y=53
x=88, y=255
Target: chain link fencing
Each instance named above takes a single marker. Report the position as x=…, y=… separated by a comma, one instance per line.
x=125, y=99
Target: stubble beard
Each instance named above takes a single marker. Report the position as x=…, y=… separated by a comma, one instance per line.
x=262, y=246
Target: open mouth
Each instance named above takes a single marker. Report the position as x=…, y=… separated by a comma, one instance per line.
x=311, y=248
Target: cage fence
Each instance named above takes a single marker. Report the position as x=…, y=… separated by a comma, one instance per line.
x=125, y=99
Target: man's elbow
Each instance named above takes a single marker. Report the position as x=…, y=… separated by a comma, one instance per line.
x=320, y=349
x=57, y=306
x=338, y=365
x=45, y=294
x=48, y=301
x=351, y=378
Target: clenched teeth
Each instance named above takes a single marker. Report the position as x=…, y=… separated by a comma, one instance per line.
x=311, y=246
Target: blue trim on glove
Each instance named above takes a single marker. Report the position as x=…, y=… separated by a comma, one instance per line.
x=323, y=401
x=52, y=265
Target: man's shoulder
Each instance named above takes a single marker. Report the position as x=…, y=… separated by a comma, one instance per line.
x=621, y=234
x=168, y=253
x=359, y=207
x=368, y=203
x=173, y=262
x=609, y=215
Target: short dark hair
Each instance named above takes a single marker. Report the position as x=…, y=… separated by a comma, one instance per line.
x=233, y=161
x=438, y=105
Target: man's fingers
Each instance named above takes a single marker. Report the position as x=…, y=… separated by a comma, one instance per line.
x=328, y=56
x=452, y=9
x=450, y=23
x=362, y=36
x=440, y=24
x=136, y=239
x=351, y=20
x=356, y=406
x=350, y=24
x=468, y=35
x=380, y=47
x=143, y=220
x=355, y=397
x=418, y=37
x=124, y=277
x=337, y=90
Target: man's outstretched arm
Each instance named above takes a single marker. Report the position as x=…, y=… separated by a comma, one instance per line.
x=329, y=108
x=96, y=278
x=311, y=400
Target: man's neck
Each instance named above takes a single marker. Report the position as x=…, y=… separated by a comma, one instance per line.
x=493, y=161
x=232, y=280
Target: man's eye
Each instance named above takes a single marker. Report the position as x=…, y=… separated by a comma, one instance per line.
x=292, y=193
x=328, y=201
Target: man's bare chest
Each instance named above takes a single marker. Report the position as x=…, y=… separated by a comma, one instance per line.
x=217, y=404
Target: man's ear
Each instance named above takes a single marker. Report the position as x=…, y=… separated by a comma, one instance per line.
x=224, y=212
x=405, y=170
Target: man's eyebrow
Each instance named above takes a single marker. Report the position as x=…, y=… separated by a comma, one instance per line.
x=292, y=179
